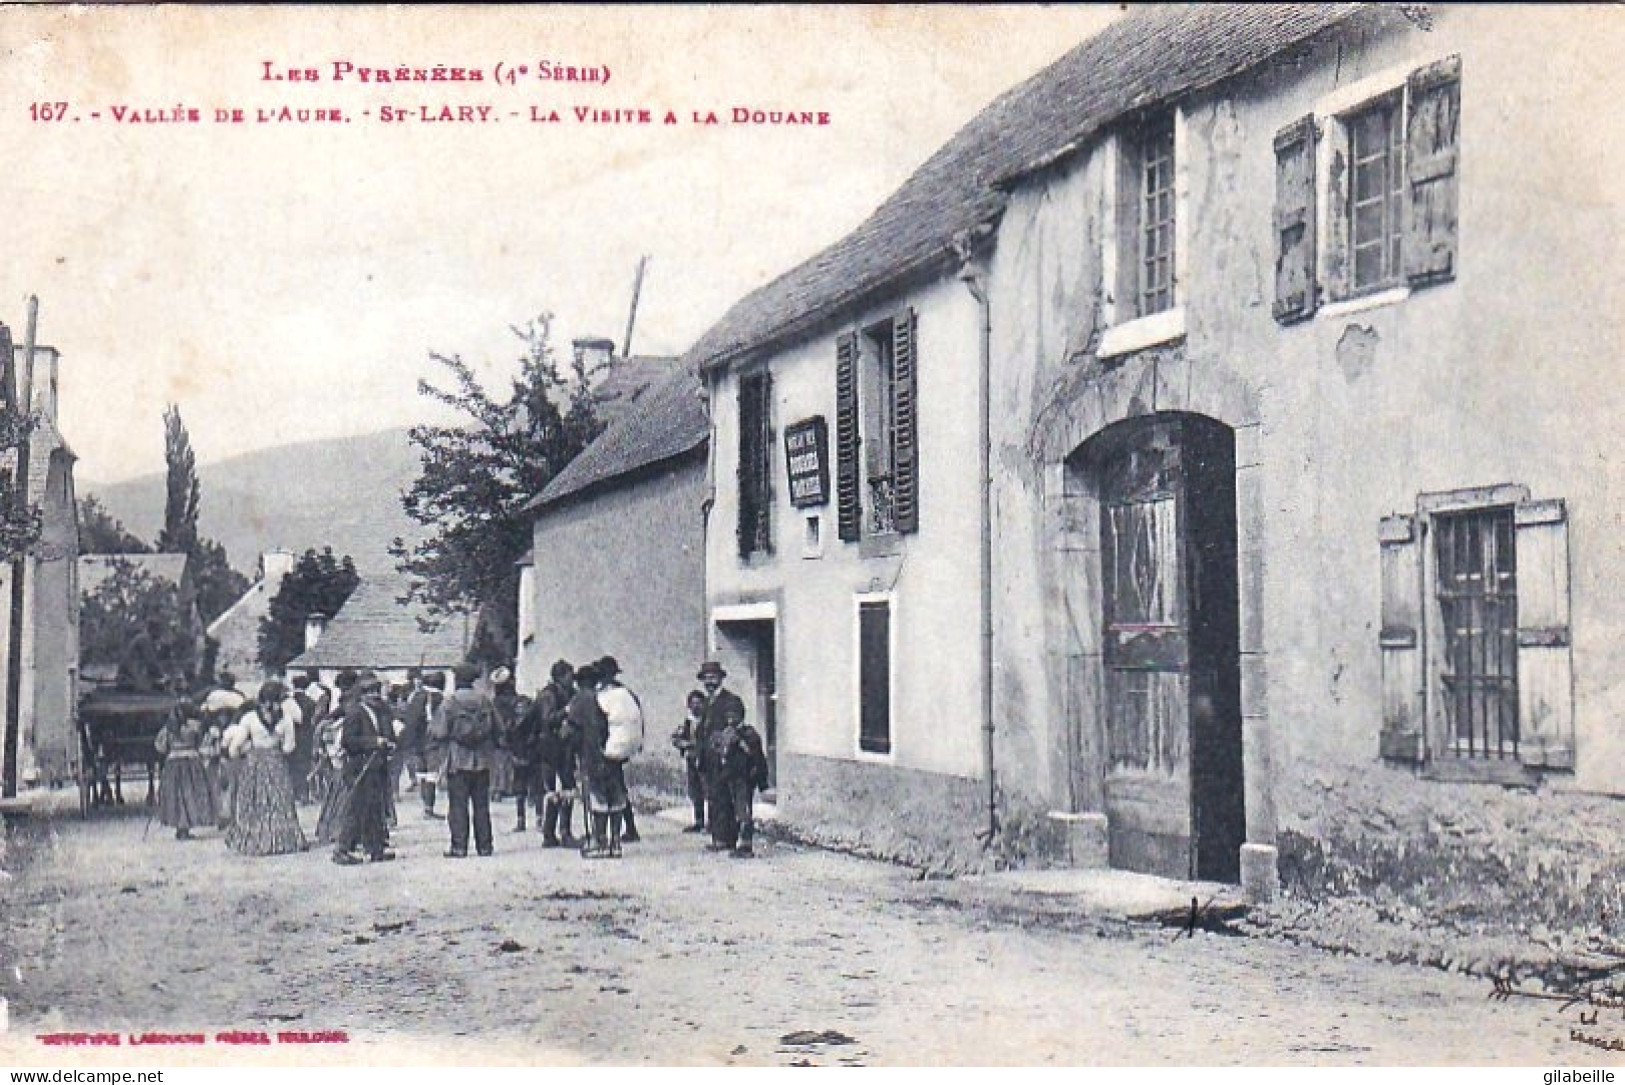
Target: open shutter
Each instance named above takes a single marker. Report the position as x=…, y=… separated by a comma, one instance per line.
x=1545, y=657
x=905, y=456
x=1295, y=221
x=1402, y=711
x=1431, y=159
x=846, y=437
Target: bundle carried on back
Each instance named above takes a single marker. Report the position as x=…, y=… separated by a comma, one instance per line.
x=625, y=715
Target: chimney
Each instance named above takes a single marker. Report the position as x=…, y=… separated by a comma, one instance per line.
x=45, y=378
x=274, y=565
x=315, y=626
x=595, y=352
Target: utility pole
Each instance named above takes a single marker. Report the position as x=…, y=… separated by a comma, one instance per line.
x=632, y=314
x=24, y=408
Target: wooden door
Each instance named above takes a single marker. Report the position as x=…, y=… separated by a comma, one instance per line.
x=1172, y=707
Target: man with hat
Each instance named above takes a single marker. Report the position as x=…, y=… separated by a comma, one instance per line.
x=719, y=703
x=609, y=676
x=367, y=740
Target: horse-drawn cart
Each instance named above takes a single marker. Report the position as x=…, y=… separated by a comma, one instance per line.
x=117, y=729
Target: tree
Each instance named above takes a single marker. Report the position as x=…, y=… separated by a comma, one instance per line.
x=141, y=623
x=19, y=520
x=183, y=493
x=318, y=584
x=477, y=476
x=218, y=584
x=100, y=532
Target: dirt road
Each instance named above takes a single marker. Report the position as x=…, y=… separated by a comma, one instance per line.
x=674, y=955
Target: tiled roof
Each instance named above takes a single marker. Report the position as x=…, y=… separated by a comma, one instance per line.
x=1155, y=54
x=665, y=419
x=95, y=569
x=374, y=629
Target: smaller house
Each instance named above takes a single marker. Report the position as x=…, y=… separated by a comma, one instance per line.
x=618, y=559
x=236, y=632
x=375, y=631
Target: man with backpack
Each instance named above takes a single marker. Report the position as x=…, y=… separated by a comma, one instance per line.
x=467, y=725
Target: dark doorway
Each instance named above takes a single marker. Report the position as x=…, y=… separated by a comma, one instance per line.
x=1170, y=646
x=754, y=644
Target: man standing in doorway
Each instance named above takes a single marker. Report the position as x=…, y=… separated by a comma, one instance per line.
x=719, y=700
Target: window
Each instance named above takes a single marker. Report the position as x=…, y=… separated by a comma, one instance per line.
x=876, y=456
x=1366, y=192
x=1142, y=255
x=874, y=676
x=1376, y=159
x=1154, y=167
x=1477, y=587
x=1477, y=673
x=877, y=398
x=755, y=463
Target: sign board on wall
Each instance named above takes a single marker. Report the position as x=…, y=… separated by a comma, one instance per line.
x=806, y=461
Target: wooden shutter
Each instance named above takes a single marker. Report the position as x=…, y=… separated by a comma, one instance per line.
x=1431, y=160
x=1545, y=657
x=846, y=438
x=1295, y=221
x=755, y=463
x=1402, y=710
x=905, y=454
x=874, y=677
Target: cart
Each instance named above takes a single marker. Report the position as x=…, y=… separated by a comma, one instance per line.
x=118, y=729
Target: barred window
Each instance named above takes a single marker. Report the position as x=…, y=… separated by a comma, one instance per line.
x=1155, y=156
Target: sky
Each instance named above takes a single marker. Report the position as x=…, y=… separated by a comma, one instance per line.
x=282, y=281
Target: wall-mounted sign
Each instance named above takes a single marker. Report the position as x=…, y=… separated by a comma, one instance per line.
x=806, y=461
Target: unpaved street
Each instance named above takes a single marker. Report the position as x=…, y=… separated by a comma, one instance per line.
x=673, y=955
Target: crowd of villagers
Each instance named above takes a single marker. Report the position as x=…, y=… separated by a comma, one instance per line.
x=244, y=766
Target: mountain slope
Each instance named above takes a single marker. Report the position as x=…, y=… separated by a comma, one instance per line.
x=343, y=493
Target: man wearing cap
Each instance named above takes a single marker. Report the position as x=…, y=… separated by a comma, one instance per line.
x=366, y=742
x=719, y=701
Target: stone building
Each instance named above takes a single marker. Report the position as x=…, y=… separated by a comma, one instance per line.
x=1220, y=478
x=375, y=631
x=48, y=750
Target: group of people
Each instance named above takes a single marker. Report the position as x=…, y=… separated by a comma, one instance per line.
x=726, y=762
x=245, y=766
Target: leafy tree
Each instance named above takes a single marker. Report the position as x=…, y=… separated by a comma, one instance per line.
x=19, y=520
x=183, y=493
x=100, y=532
x=142, y=624
x=218, y=585
x=476, y=477
x=319, y=584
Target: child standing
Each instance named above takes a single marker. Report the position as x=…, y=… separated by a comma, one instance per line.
x=744, y=772
x=687, y=741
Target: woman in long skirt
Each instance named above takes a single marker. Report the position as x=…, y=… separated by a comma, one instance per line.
x=186, y=794
x=330, y=771
x=264, y=821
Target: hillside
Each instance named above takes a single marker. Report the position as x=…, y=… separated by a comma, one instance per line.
x=342, y=493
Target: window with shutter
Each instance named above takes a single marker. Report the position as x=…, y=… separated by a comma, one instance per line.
x=1295, y=292
x=848, y=505
x=1477, y=673
x=1389, y=187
